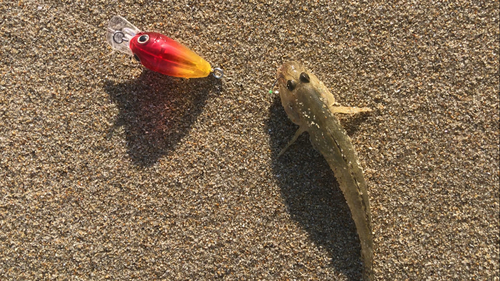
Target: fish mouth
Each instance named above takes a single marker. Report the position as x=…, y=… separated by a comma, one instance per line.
x=280, y=77
x=288, y=71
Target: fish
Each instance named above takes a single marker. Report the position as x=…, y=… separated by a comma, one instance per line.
x=309, y=104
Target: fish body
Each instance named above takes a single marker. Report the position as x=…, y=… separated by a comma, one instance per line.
x=309, y=104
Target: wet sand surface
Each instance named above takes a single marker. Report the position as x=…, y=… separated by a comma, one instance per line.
x=111, y=171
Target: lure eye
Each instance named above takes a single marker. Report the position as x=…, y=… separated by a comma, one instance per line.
x=290, y=84
x=143, y=39
x=304, y=77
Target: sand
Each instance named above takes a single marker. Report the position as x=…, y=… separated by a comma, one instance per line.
x=111, y=171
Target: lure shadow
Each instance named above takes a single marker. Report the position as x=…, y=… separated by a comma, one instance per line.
x=312, y=195
x=157, y=111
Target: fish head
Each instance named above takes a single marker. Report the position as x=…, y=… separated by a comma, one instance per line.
x=288, y=77
x=293, y=81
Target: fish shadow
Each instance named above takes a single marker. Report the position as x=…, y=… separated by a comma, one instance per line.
x=312, y=195
x=157, y=111
x=351, y=123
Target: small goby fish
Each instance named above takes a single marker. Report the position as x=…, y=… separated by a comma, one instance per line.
x=309, y=104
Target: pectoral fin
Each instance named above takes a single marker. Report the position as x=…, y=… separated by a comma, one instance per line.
x=297, y=134
x=349, y=110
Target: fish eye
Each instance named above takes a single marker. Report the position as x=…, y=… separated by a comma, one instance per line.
x=290, y=84
x=304, y=77
x=143, y=39
x=136, y=57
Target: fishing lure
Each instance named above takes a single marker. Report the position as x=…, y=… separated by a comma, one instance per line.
x=157, y=52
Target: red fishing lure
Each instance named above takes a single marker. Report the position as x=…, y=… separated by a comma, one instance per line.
x=157, y=52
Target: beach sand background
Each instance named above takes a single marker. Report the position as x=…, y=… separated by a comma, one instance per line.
x=111, y=171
